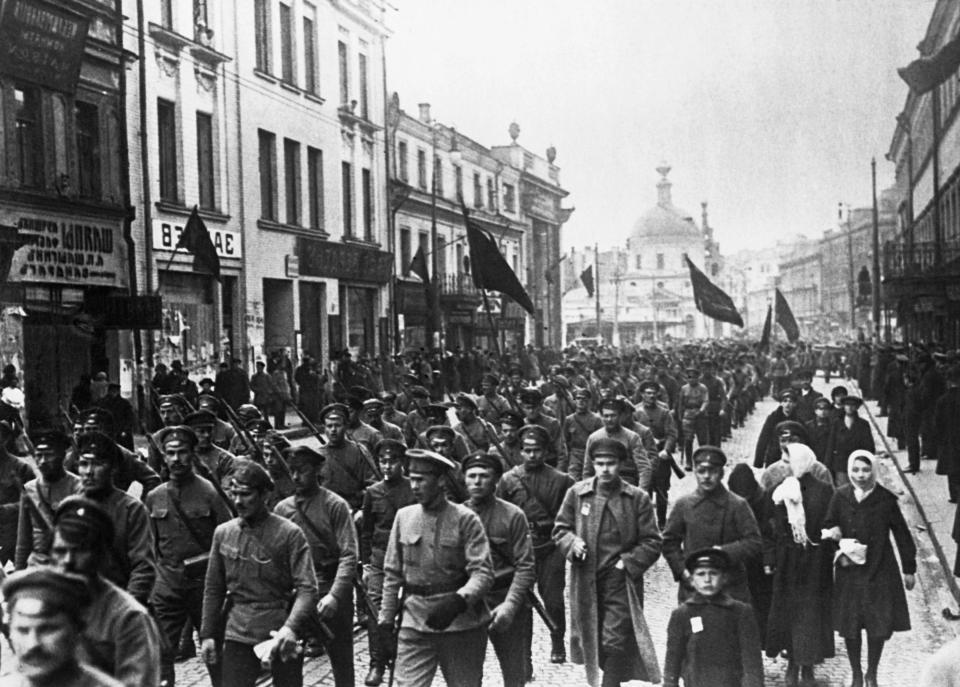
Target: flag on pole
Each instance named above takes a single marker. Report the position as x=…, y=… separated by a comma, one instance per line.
x=926, y=73
x=419, y=265
x=195, y=239
x=710, y=299
x=765, y=337
x=490, y=269
x=786, y=319
x=587, y=278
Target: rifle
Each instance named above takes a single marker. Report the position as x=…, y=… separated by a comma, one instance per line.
x=396, y=639
x=534, y=600
x=248, y=441
x=70, y=430
x=314, y=430
x=203, y=471
x=677, y=470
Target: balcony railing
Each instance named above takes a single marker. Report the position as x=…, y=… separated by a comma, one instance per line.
x=458, y=284
x=900, y=260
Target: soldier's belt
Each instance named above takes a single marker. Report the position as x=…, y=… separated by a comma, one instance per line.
x=437, y=588
x=543, y=528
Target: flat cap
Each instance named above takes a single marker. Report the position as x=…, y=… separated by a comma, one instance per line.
x=788, y=395
x=418, y=391
x=82, y=521
x=531, y=395
x=422, y=460
x=201, y=418
x=96, y=416
x=373, y=404
x=50, y=439
x=171, y=401
x=259, y=425
x=822, y=403
x=511, y=417
x=648, y=384
x=443, y=431
x=252, y=475
x=605, y=446
x=248, y=411
x=582, y=392
x=490, y=378
x=393, y=447
x=55, y=591
x=177, y=434
x=711, y=455
x=466, y=401
x=481, y=459
x=99, y=446
x=303, y=454
x=535, y=434
x=436, y=412
x=335, y=410
x=708, y=558
x=851, y=400
x=388, y=396
x=788, y=427
x=615, y=403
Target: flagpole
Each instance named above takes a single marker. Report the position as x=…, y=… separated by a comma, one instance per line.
x=166, y=267
x=596, y=286
x=492, y=322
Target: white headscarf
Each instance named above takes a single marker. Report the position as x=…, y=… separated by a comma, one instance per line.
x=861, y=454
x=789, y=493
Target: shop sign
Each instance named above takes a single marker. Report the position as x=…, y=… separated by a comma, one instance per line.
x=292, y=266
x=77, y=251
x=460, y=317
x=541, y=205
x=42, y=43
x=166, y=234
x=343, y=261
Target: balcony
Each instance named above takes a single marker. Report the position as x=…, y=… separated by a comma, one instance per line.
x=458, y=285
x=901, y=261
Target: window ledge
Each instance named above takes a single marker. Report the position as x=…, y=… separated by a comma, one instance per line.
x=180, y=209
x=293, y=88
x=314, y=97
x=168, y=37
x=295, y=229
x=265, y=76
x=360, y=242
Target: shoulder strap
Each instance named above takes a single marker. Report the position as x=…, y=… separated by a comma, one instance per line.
x=198, y=540
x=306, y=521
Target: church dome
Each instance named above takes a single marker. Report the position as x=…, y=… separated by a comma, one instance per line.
x=664, y=222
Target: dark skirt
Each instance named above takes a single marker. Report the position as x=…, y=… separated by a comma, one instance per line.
x=880, y=609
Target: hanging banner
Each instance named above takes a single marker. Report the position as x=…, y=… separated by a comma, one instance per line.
x=42, y=43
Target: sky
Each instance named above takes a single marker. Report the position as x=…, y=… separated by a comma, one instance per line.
x=769, y=110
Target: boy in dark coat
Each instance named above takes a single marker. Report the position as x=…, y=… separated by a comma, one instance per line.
x=712, y=639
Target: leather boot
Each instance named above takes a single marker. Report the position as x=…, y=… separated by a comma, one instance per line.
x=374, y=675
x=558, y=652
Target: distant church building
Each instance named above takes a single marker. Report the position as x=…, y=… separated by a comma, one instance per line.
x=645, y=291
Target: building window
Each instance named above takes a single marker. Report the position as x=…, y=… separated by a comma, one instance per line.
x=639, y=262
x=438, y=175
x=200, y=19
x=346, y=178
x=405, y=255
x=315, y=184
x=261, y=27
x=288, y=67
x=268, y=175
x=88, y=149
x=660, y=261
x=167, y=141
x=459, y=265
x=509, y=198
x=458, y=181
x=310, y=56
x=441, y=255
x=491, y=194
x=422, y=169
x=367, y=204
x=425, y=245
x=291, y=176
x=205, y=173
x=364, y=104
x=166, y=14
x=344, y=74
x=477, y=191
x=402, y=161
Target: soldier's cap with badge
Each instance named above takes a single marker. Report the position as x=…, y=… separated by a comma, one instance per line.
x=50, y=440
x=335, y=410
x=258, y=424
x=177, y=434
x=582, y=392
x=248, y=411
x=535, y=434
x=171, y=401
x=849, y=400
x=201, y=418
x=252, y=475
x=419, y=391
x=83, y=522
x=708, y=558
x=788, y=395
x=481, y=459
x=99, y=447
x=52, y=591
x=531, y=396
x=206, y=381
x=373, y=404
x=792, y=428
x=605, y=446
x=692, y=371
x=295, y=455
x=490, y=378
x=512, y=418
x=96, y=416
x=444, y=431
x=205, y=401
x=466, y=401
x=392, y=447
x=822, y=402
x=712, y=455
x=422, y=460
x=648, y=384
x=615, y=403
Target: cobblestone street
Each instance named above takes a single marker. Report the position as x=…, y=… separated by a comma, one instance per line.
x=903, y=657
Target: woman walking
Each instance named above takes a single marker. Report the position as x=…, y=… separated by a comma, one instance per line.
x=868, y=590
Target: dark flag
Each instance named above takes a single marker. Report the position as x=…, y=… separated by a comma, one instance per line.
x=926, y=73
x=587, y=278
x=785, y=318
x=490, y=269
x=195, y=239
x=419, y=265
x=764, y=344
x=710, y=299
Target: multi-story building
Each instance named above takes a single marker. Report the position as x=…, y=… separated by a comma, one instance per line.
x=267, y=116
x=801, y=283
x=921, y=268
x=65, y=243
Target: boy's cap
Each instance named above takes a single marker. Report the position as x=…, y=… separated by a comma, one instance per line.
x=708, y=558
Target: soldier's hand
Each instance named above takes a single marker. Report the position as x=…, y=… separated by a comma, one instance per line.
x=579, y=549
x=327, y=607
x=208, y=651
x=501, y=617
x=445, y=610
x=286, y=646
x=388, y=642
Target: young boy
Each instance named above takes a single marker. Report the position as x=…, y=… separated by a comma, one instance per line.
x=712, y=639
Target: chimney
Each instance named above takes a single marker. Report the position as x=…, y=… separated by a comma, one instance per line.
x=663, y=186
x=424, y=112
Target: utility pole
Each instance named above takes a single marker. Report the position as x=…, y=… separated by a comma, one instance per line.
x=875, y=292
x=852, y=280
x=615, y=334
x=596, y=284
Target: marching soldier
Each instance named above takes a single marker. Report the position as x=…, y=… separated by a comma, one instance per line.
x=417, y=421
x=491, y=405
x=256, y=561
x=390, y=411
x=768, y=444
x=130, y=468
x=439, y=554
x=326, y=520
x=475, y=431
x=538, y=489
x=442, y=440
x=246, y=413
x=716, y=396
x=511, y=455
x=531, y=404
x=658, y=418
x=346, y=471
x=223, y=432
x=513, y=565
x=359, y=431
x=373, y=411
x=184, y=511
x=380, y=505
x=640, y=445
x=218, y=461
x=579, y=425
x=130, y=561
x=692, y=406
x=42, y=496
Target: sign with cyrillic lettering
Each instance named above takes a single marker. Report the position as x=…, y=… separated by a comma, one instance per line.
x=167, y=233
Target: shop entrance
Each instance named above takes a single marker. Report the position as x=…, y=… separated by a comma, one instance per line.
x=313, y=307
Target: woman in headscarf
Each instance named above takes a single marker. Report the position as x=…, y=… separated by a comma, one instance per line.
x=868, y=589
x=802, y=569
x=744, y=484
